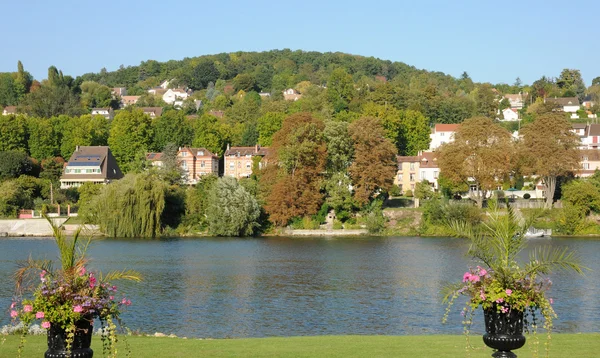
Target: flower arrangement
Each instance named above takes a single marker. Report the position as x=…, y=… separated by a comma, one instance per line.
x=70, y=297
x=501, y=284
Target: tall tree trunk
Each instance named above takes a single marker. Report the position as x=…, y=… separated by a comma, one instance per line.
x=479, y=198
x=549, y=190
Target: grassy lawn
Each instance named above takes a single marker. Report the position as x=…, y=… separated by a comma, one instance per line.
x=563, y=345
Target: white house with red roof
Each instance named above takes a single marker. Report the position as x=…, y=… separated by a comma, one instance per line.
x=510, y=114
x=440, y=134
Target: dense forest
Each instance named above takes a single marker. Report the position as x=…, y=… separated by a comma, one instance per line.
x=347, y=105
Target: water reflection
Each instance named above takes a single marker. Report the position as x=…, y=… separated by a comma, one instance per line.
x=286, y=287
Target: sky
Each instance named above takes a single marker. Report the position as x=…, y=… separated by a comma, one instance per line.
x=492, y=41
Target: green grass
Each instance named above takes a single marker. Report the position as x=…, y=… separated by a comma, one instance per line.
x=563, y=345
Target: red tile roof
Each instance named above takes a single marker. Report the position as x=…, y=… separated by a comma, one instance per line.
x=446, y=127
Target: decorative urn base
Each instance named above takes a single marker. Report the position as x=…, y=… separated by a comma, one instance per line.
x=81, y=343
x=504, y=332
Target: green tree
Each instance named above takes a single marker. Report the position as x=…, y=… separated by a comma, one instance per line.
x=485, y=101
x=244, y=82
x=172, y=127
x=131, y=207
x=13, y=133
x=49, y=101
x=339, y=194
x=11, y=198
x=340, y=89
x=268, y=125
x=570, y=80
x=423, y=190
x=23, y=81
x=209, y=134
x=95, y=95
x=582, y=193
x=549, y=149
x=8, y=93
x=202, y=74
x=13, y=164
x=196, y=202
x=130, y=134
x=374, y=165
x=83, y=131
x=340, y=150
x=232, y=211
x=414, y=132
x=481, y=154
x=42, y=141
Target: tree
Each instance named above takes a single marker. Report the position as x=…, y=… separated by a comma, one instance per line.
x=196, y=202
x=232, y=211
x=172, y=127
x=570, y=80
x=43, y=141
x=340, y=150
x=209, y=134
x=340, y=89
x=8, y=93
x=292, y=179
x=584, y=194
x=374, y=165
x=130, y=134
x=131, y=207
x=414, y=133
x=83, y=131
x=596, y=81
x=202, y=74
x=549, y=149
x=423, y=190
x=13, y=133
x=481, y=154
x=268, y=125
x=485, y=101
x=50, y=101
x=244, y=82
x=171, y=170
x=95, y=95
x=13, y=164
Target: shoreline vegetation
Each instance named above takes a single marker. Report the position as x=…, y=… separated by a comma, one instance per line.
x=562, y=345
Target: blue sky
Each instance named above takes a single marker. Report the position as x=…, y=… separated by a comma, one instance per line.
x=493, y=41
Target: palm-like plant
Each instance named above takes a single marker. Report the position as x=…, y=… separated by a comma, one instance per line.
x=502, y=282
x=65, y=296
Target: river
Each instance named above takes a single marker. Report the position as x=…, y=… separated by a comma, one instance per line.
x=275, y=286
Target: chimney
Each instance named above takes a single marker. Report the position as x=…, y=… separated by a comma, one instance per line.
x=256, y=148
x=77, y=148
x=227, y=146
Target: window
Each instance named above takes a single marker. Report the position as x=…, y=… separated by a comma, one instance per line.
x=585, y=159
x=231, y=165
x=184, y=154
x=184, y=165
x=202, y=164
x=412, y=177
x=442, y=134
x=239, y=164
x=399, y=177
x=423, y=176
x=248, y=165
x=586, y=165
x=412, y=166
x=435, y=174
x=77, y=171
x=200, y=153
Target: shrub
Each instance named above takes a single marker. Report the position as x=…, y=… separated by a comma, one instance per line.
x=395, y=190
x=526, y=196
x=499, y=194
x=570, y=220
x=408, y=193
x=337, y=225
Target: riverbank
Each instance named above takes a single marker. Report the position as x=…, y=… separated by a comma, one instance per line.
x=563, y=345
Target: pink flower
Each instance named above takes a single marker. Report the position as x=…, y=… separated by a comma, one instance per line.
x=111, y=297
x=474, y=278
x=46, y=324
x=13, y=305
x=500, y=300
x=482, y=295
x=551, y=301
x=77, y=309
x=82, y=271
x=14, y=314
x=504, y=309
x=39, y=315
x=27, y=308
x=482, y=271
x=92, y=281
x=467, y=277
x=508, y=291
x=42, y=274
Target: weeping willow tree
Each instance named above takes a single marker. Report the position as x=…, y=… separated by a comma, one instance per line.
x=132, y=206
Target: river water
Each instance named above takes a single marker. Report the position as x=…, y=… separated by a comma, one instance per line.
x=260, y=287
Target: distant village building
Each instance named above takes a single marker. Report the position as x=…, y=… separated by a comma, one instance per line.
x=291, y=94
x=9, y=110
x=264, y=94
x=129, y=100
x=175, y=96
x=218, y=114
x=517, y=101
x=239, y=160
x=119, y=91
x=510, y=114
x=590, y=162
x=153, y=112
x=194, y=162
x=440, y=134
x=107, y=113
x=90, y=165
x=415, y=169
x=567, y=104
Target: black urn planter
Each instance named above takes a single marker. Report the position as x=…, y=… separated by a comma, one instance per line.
x=504, y=332
x=81, y=343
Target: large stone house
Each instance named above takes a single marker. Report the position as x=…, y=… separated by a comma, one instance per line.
x=414, y=169
x=239, y=160
x=90, y=164
x=194, y=162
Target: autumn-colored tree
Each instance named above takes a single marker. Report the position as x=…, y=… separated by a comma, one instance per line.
x=481, y=154
x=374, y=165
x=291, y=181
x=549, y=149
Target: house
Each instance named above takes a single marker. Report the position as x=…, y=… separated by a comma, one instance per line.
x=264, y=94
x=218, y=114
x=591, y=140
x=129, y=100
x=414, y=169
x=157, y=91
x=510, y=114
x=239, y=160
x=516, y=100
x=164, y=84
x=588, y=102
x=590, y=162
x=107, y=113
x=408, y=171
x=440, y=134
x=580, y=129
x=90, y=165
x=153, y=112
x=119, y=91
x=291, y=94
x=194, y=162
x=9, y=110
x=567, y=104
x=171, y=96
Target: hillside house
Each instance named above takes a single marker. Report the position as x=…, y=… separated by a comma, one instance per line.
x=239, y=160
x=153, y=112
x=567, y=104
x=129, y=100
x=194, y=162
x=107, y=113
x=517, y=101
x=90, y=164
x=291, y=94
x=9, y=110
x=440, y=134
